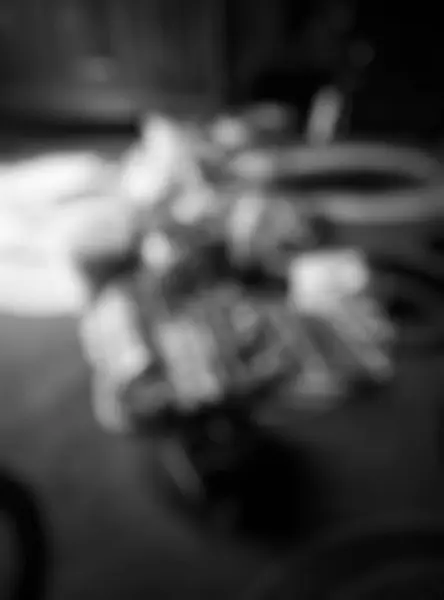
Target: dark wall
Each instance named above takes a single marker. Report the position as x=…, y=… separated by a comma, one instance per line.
x=306, y=44
x=110, y=59
x=107, y=57
x=404, y=88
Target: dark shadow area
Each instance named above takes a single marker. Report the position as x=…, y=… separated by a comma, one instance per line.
x=279, y=500
x=22, y=513
x=403, y=311
x=359, y=182
x=440, y=433
x=28, y=138
x=435, y=244
x=38, y=127
x=254, y=485
x=284, y=85
x=413, y=299
x=389, y=562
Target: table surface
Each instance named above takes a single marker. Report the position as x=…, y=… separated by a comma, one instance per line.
x=113, y=537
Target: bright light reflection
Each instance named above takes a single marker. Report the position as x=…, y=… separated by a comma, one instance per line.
x=36, y=278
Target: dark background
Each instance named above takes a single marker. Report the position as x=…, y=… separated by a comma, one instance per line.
x=107, y=60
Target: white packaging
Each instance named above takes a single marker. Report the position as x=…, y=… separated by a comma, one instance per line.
x=321, y=279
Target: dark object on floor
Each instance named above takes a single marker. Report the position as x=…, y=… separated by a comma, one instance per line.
x=368, y=561
x=251, y=483
x=22, y=514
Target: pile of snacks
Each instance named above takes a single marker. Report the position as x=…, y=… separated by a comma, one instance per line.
x=200, y=319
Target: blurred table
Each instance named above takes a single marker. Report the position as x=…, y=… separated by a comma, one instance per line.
x=114, y=538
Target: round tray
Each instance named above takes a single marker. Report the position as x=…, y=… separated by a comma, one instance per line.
x=300, y=165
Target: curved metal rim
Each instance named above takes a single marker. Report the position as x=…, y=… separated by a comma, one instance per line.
x=306, y=160
x=377, y=157
x=414, y=206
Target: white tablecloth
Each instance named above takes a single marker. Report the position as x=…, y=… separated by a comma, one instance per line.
x=36, y=275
